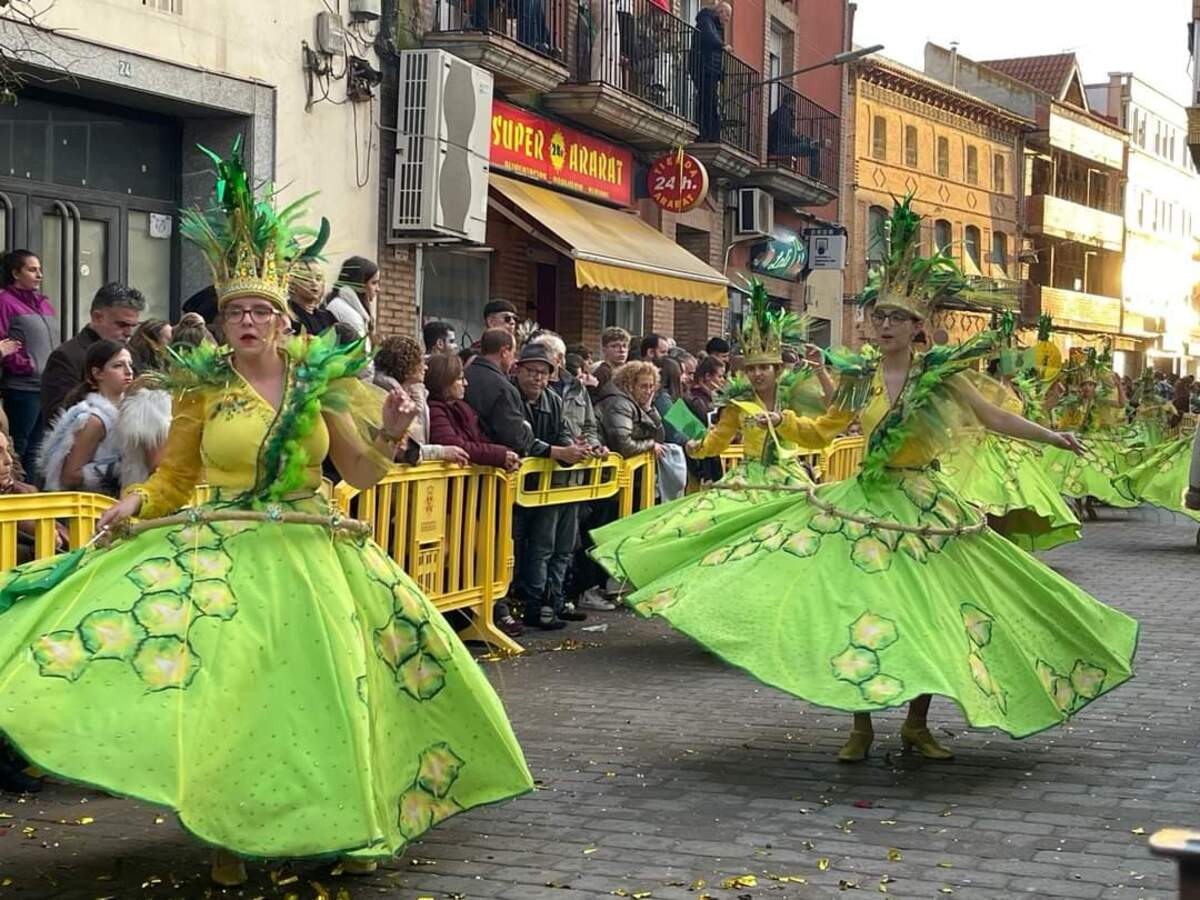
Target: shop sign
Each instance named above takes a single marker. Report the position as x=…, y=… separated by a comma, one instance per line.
x=541, y=149
x=784, y=256
x=677, y=181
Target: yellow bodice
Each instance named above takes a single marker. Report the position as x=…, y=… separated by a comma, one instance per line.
x=236, y=422
x=916, y=452
x=810, y=433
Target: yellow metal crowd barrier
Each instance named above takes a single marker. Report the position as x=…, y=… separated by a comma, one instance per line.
x=842, y=458
x=450, y=528
x=1187, y=424
x=731, y=456
x=637, y=484
x=40, y=515
x=543, y=482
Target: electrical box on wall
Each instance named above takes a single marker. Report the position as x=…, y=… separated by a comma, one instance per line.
x=331, y=34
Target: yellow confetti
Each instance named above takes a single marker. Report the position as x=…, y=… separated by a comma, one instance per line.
x=739, y=881
x=790, y=879
x=641, y=895
x=945, y=865
x=84, y=820
x=290, y=879
x=6, y=882
x=808, y=845
x=887, y=821
x=844, y=885
x=294, y=896
x=946, y=890
x=823, y=864
x=342, y=894
x=5, y=816
x=590, y=850
x=158, y=820
x=947, y=812
x=696, y=885
x=883, y=888
x=1138, y=830
x=319, y=890
x=894, y=855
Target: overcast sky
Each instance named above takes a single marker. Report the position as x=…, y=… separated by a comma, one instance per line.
x=1152, y=44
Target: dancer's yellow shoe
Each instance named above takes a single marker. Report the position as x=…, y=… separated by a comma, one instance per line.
x=354, y=865
x=228, y=870
x=856, y=747
x=918, y=736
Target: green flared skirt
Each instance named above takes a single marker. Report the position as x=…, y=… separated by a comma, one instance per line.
x=1007, y=479
x=839, y=610
x=1162, y=479
x=286, y=692
x=1093, y=474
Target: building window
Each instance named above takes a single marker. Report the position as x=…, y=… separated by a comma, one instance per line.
x=876, y=240
x=941, y=234
x=943, y=157
x=621, y=311
x=911, y=158
x=879, y=138
x=174, y=7
x=455, y=289
x=1142, y=209
x=971, y=246
x=1158, y=138
x=972, y=164
x=999, y=165
x=775, y=53
x=999, y=254
x=1141, y=134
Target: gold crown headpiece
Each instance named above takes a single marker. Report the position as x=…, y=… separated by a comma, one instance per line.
x=250, y=247
x=904, y=279
x=766, y=331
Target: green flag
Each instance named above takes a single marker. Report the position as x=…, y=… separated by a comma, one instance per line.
x=684, y=420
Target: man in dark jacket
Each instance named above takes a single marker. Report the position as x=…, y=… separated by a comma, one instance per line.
x=707, y=69
x=496, y=399
x=115, y=312
x=544, y=536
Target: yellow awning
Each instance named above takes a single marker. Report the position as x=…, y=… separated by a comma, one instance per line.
x=614, y=250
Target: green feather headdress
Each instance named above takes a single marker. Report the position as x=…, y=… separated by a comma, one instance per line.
x=766, y=330
x=250, y=247
x=905, y=279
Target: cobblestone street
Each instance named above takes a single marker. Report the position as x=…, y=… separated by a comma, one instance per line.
x=665, y=774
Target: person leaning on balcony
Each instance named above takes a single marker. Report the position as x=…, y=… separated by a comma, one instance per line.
x=706, y=67
x=782, y=139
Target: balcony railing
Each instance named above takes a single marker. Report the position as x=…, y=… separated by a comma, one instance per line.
x=639, y=48
x=804, y=137
x=539, y=25
x=739, y=107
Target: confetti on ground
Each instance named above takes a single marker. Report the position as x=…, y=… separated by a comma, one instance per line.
x=823, y=864
x=84, y=820
x=1138, y=830
x=894, y=855
x=739, y=881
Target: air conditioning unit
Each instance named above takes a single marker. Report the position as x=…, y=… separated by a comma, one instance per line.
x=755, y=212
x=440, y=180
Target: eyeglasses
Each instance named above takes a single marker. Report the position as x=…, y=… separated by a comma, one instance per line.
x=895, y=318
x=259, y=315
x=509, y=319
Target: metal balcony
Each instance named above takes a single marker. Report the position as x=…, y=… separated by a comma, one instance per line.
x=521, y=42
x=629, y=74
x=730, y=139
x=803, y=150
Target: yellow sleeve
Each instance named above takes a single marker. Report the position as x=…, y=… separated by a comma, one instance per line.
x=720, y=435
x=354, y=415
x=171, y=485
x=815, y=432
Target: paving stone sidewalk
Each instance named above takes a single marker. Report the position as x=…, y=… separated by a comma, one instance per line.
x=664, y=774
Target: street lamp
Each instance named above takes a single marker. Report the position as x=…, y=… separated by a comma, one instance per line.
x=840, y=60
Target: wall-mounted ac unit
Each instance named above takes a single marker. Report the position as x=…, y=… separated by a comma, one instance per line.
x=755, y=212
x=440, y=180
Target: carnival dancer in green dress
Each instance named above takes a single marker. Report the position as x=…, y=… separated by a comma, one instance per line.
x=1006, y=477
x=256, y=664
x=767, y=408
x=1168, y=476
x=880, y=591
x=1085, y=401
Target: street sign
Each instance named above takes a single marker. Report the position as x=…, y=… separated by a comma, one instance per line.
x=826, y=248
